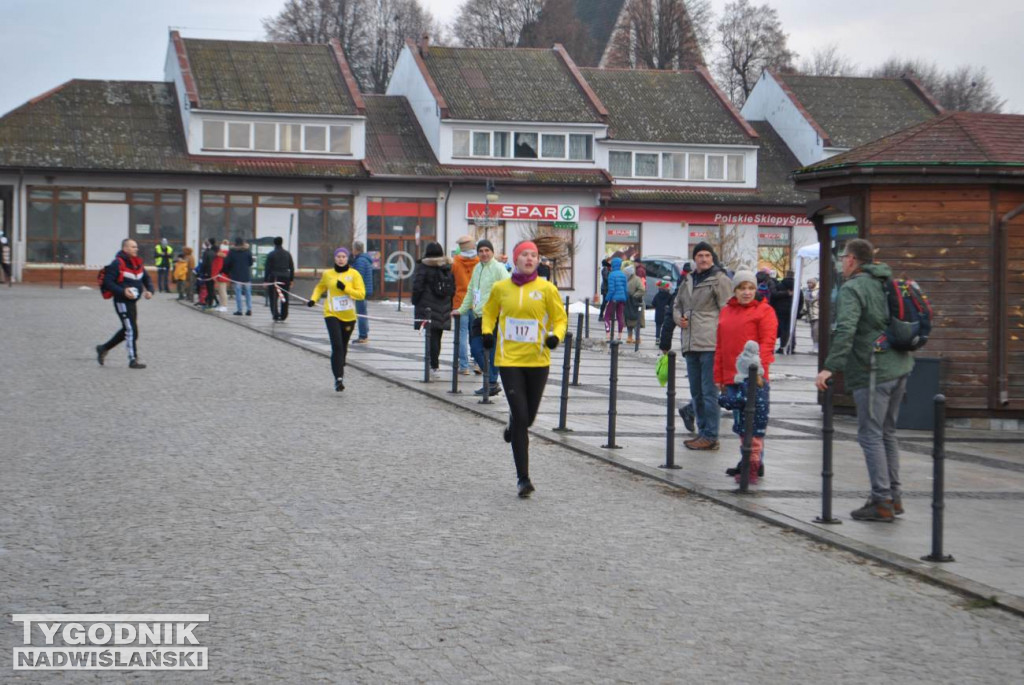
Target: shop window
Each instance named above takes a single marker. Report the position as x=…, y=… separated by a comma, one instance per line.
x=620, y=163
x=526, y=145
x=622, y=240
x=581, y=147
x=495, y=233
x=107, y=196
x=325, y=224
x=153, y=216
x=56, y=227
x=227, y=217
x=562, y=269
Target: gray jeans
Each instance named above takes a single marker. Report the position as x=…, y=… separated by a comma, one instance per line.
x=876, y=433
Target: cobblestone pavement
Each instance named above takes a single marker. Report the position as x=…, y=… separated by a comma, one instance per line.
x=374, y=535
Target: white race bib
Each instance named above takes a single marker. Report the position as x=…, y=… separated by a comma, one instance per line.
x=476, y=297
x=521, y=330
x=341, y=303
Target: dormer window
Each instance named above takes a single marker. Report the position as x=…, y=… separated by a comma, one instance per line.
x=526, y=146
x=522, y=145
x=677, y=166
x=277, y=137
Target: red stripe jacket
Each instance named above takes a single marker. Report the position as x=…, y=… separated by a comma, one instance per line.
x=736, y=325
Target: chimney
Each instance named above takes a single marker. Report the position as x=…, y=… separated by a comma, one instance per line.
x=424, y=44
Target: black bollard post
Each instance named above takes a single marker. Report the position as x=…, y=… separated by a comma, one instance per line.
x=636, y=337
x=563, y=407
x=400, y=294
x=613, y=389
x=486, y=399
x=827, y=433
x=938, y=481
x=567, y=305
x=457, y=319
x=670, y=425
x=748, y=429
x=586, y=314
x=579, y=345
x=426, y=346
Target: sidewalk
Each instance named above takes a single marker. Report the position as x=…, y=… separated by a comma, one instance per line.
x=984, y=469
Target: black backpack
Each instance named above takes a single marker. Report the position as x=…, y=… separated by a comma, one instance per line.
x=442, y=284
x=910, y=316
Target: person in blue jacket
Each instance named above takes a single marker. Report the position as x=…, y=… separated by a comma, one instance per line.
x=617, y=296
x=362, y=263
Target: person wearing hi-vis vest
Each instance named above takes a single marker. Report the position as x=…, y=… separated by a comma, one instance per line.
x=164, y=253
x=524, y=317
x=343, y=286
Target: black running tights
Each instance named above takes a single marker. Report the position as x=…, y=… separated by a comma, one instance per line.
x=524, y=388
x=340, y=332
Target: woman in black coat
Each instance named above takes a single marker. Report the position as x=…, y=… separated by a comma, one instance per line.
x=433, y=287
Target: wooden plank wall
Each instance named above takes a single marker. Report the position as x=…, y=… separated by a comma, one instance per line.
x=941, y=237
x=1007, y=202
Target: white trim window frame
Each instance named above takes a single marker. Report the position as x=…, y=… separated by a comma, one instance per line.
x=629, y=166
x=231, y=129
x=675, y=165
x=545, y=137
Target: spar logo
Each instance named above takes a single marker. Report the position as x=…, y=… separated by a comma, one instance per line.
x=110, y=642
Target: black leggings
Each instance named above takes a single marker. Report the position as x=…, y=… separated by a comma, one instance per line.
x=524, y=388
x=435, y=346
x=340, y=332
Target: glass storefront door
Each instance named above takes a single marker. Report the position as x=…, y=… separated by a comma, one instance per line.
x=397, y=231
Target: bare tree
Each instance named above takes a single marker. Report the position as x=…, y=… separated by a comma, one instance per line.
x=828, y=61
x=494, y=23
x=661, y=34
x=964, y=89
x=371, y=32
x=558, y=23
x=750, y=40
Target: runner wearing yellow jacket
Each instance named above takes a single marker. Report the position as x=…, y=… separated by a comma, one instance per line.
x=525, y=318
x=343, y=286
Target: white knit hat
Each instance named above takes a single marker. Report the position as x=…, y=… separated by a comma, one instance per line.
x=743, y=276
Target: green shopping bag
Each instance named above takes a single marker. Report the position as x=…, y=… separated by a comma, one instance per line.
x=661, y=370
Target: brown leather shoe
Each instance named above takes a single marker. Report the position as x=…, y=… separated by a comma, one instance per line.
x=874, y=511
x=701, y=443
x=897, y=506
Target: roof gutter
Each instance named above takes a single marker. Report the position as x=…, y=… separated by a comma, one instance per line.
x=1002, y=323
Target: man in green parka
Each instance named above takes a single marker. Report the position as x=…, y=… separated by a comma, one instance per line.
x=876, y=377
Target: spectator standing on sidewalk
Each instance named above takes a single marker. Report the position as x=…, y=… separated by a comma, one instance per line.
x=746, y=335
x=126, y=279
x=433, y=288
x=206, y=290
x=618, y=294
x=180, y=275
x=634, y=309
x=699, y=301
x=220, y=279
x=362, y=263
x=662, y=304
x=279, y=270
x=5, y=256
x=190, y=281
x=238, y=267
x=343, y=287
x=877, y=378
x=462, y=269
x=163, y=256
x=812, y=307
x=525, y=318
x=481, y=282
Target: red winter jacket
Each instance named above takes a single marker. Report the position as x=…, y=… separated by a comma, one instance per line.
x=736, y=325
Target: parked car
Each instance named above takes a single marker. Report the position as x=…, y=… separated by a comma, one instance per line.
x=661, y=267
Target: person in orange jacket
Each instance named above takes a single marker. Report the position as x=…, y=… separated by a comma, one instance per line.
x=462, y=269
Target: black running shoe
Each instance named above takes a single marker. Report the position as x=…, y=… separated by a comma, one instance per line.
x=506, y=434
x=339, y=384
x=136, y=364
x=525, y=488
x=101, y=354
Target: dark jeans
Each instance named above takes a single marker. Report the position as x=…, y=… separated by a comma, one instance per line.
x=435, y=347
x=339, y=332
x=480, y=355
x=700, y=371
x=362, y=324
x=524, y=388
x=129, y=333
x=162, y=272
x=279, y=301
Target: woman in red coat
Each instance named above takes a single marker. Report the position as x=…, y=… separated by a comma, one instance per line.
x=745, y=318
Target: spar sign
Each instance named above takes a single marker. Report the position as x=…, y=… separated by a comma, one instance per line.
x=560, y=213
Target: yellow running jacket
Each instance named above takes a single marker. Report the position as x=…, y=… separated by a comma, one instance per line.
x=525, y=315
x=340, y=303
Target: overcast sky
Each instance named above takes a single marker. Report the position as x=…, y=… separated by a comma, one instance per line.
x=44, y=43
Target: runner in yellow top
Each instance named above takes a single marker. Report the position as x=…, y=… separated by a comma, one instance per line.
x=343, y=286
x=525, y=317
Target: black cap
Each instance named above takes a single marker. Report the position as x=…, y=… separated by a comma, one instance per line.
x=484, y=242
x=703, y=246
x=279, y=241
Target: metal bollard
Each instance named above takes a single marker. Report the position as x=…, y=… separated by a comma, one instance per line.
x=579, y=345
x=486, y=399
x=748, y=429
x=613, y=389
x=586, y=314
x=567, y=305
x=563, y=406
x=426, y=346
x=670, y=425
x=827, y=433
x=938, y=481
x=457, y=319
x=636, y=337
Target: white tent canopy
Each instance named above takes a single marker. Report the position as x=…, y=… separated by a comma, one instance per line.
x=805, y=253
